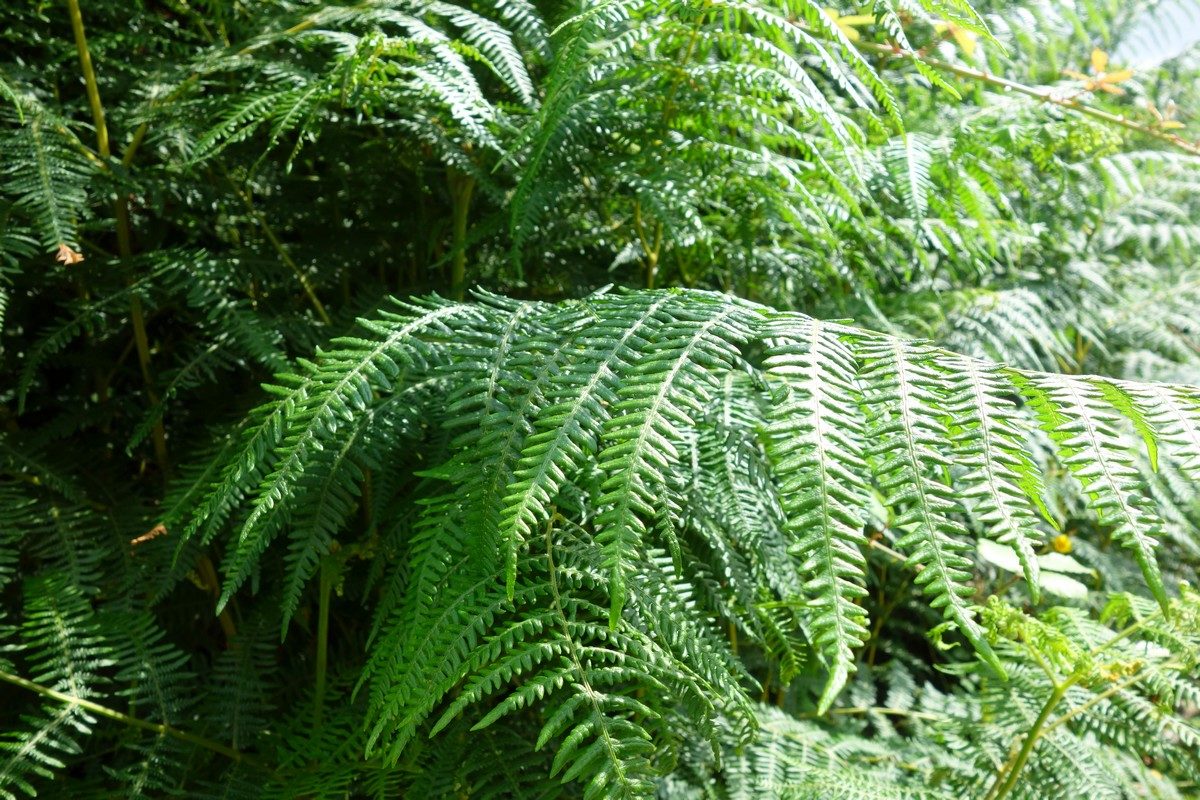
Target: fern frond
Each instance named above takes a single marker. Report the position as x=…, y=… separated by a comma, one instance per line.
x=1086, y=432
x=817, y=453
x=46, y=175
x=905, y=424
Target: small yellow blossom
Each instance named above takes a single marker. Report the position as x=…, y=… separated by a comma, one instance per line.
x=848, y=24
x=1101, y=79
x=966, y=39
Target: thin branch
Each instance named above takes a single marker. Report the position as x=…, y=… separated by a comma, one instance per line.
x=124, y=234
x=113, y=714
x=282, y=252
x=1045, y=94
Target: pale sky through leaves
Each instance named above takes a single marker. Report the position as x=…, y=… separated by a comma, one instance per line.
x=1164, y=33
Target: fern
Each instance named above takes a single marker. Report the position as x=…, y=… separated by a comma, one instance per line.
x=332, y=465
x=46, y=174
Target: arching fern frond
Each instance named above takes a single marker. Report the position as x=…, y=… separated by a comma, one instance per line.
x=592, y=429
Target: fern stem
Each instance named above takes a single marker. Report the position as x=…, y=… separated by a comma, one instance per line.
x=1039, y=93
x=324, y=591
x=1126, y=632
x=1007, y=777
x=89, y=78
x=885, y=710
x=651, y=250
x=137, y=316
x=283, y=254
x=113, y=714
x=461, y=186
x=208, y=574
x=1101, y=697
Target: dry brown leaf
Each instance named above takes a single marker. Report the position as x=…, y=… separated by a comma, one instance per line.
x=153, y=533
x=67, y=256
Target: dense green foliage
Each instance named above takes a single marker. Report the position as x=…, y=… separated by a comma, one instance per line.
x=699, y=399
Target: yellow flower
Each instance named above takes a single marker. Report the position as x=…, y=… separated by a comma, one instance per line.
x=1061, y=543
x=848, y=24
x=966, y=39
x=1101, y=79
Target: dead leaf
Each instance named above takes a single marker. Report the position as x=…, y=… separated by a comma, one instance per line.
x=67, y=256
x=153, y=533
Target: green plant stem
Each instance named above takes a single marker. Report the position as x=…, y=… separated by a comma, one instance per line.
x=651, y=250
x=462, y=187
x=137, y=315
x=856, y=710
x=208, y=576
x=324, y=592
x=1126, y=632
x=283, y=253
x=113, y=714
x=89, y=78
x=1007, y=777
x=1102, y=696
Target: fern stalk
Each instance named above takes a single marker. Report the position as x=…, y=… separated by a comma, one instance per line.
x=283, y=254
x=124, y=239
x=462, y=187
x=89, y=77
x=324, y=592
x=126, y=719
x=1007, y=777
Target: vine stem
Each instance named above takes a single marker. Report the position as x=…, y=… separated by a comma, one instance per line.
x=135, y=722
x=137, y=315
